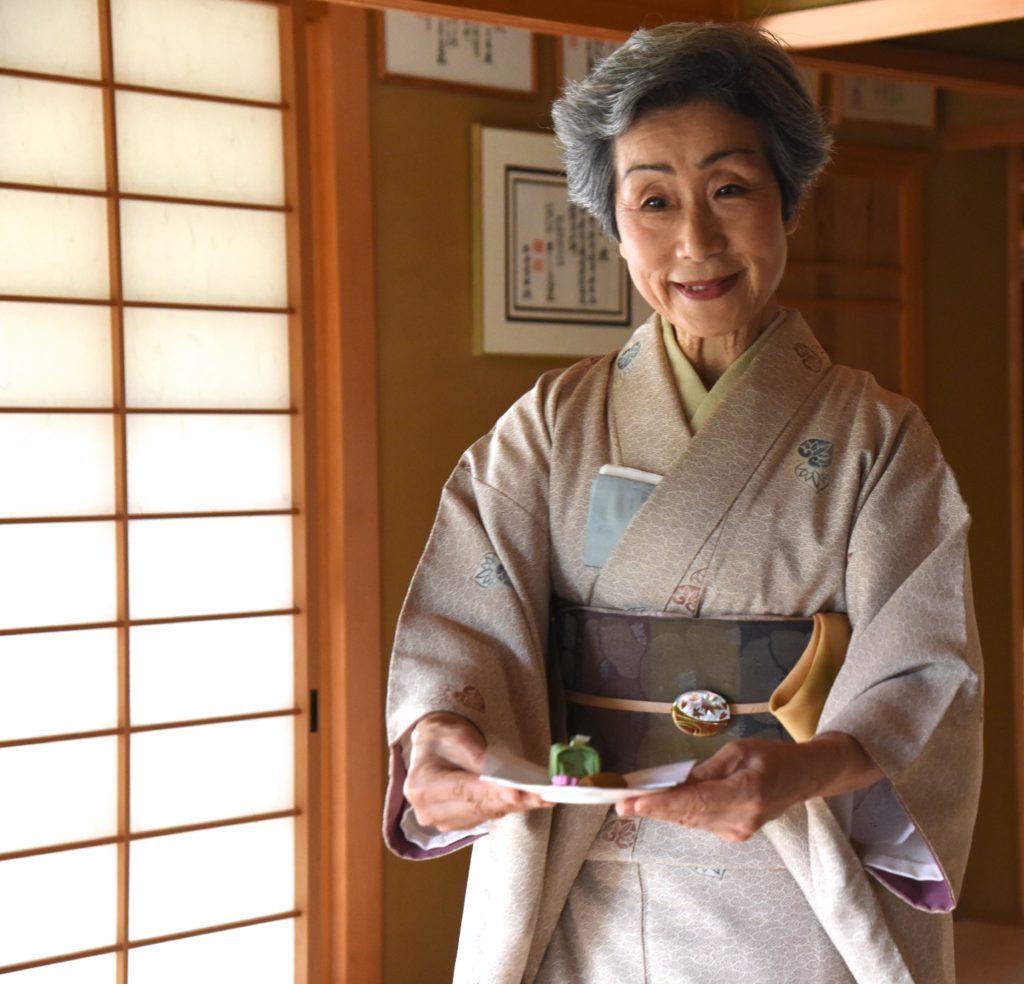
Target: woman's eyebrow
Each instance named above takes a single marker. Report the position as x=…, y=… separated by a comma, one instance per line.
x=716, y=156
x=660, y=168
x=703, y=164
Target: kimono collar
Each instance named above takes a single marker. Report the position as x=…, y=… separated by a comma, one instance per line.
x=701, y=475
x=647, y=421
x=699, y=402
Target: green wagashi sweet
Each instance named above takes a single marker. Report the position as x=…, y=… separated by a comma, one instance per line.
x=569, y=762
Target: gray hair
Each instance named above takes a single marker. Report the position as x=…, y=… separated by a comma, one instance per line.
x=734, y=65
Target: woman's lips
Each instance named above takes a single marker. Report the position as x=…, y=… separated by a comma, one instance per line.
x=707, y=290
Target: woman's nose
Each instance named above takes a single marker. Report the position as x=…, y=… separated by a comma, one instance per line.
x=699, y=234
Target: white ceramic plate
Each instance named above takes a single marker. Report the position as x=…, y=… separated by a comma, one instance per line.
x=508, y=770
x=579, y=795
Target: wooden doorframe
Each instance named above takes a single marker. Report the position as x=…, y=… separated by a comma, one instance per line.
x=344, y=364
x=340, y=374
x=1016, y=429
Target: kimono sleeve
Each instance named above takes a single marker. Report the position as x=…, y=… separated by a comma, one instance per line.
x=911, y=687
x=472, y=636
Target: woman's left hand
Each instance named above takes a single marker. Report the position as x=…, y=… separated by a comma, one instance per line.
x=750, y=781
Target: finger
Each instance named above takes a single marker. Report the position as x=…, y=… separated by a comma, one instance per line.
x=434, y=783
x=461, y=814
x=456, y=815
x=512, y=799
x=672, y=804
x=704, y=804
x=450, y=737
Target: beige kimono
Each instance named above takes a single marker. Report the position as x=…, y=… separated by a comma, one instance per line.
x=808, y=489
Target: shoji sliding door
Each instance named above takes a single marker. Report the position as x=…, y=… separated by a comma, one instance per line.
x=148, y=717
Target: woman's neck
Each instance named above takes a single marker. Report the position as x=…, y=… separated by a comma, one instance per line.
x=712, y=355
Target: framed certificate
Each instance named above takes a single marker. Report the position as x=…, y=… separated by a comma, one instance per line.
x=858, y=97
x=548, y=281
x=460, y=53
x=575, y=57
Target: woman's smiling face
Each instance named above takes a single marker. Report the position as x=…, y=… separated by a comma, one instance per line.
x=700, y=219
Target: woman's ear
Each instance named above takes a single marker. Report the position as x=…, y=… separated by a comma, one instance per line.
x=792, y=223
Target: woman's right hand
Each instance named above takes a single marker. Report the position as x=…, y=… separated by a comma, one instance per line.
x=443, y=784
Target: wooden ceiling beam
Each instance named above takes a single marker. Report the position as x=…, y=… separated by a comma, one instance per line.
x=965, y=73
x=875, y=20
x=612, y=20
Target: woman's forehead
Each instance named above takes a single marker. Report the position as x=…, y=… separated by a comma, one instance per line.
x=696, y=135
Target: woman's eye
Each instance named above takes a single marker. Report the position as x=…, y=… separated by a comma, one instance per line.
x=729, y=190
x=654, y=202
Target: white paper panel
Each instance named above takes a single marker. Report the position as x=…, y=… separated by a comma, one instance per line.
x=214, y=46
x=53, y=133
x=210, y=877
x=57, y=574
x=53, y=245
x=57, y=792
x=28, y=30
x=190, y=670
x=207, y=462
x=57, y=683
x=263, y=954
x=58, y=903
x=206, y=359
x=91, y=970
x=212, y=772
x=192, y=148
x=203, y=254
x=54, y=355
x=205, y=566
x=65, y=464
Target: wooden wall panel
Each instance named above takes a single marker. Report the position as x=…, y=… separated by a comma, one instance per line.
x=967, y=356
x=855, y=265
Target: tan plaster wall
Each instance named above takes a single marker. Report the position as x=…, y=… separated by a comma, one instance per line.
x=436, y=397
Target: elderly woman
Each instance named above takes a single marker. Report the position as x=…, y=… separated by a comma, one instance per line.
x=677, y=516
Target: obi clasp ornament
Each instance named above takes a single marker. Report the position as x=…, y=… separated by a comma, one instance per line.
x=701, y=713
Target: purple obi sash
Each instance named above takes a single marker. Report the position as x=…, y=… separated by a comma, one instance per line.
x=654, y=657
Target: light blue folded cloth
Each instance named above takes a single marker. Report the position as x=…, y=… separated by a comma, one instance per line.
x=615, y=498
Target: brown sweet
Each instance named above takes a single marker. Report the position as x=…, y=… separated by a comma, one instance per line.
x=608, y=780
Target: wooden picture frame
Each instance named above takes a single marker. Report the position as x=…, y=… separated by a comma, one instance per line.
x=575, y=56
x=866, y=99
x=548, y=282
x=459, y=54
